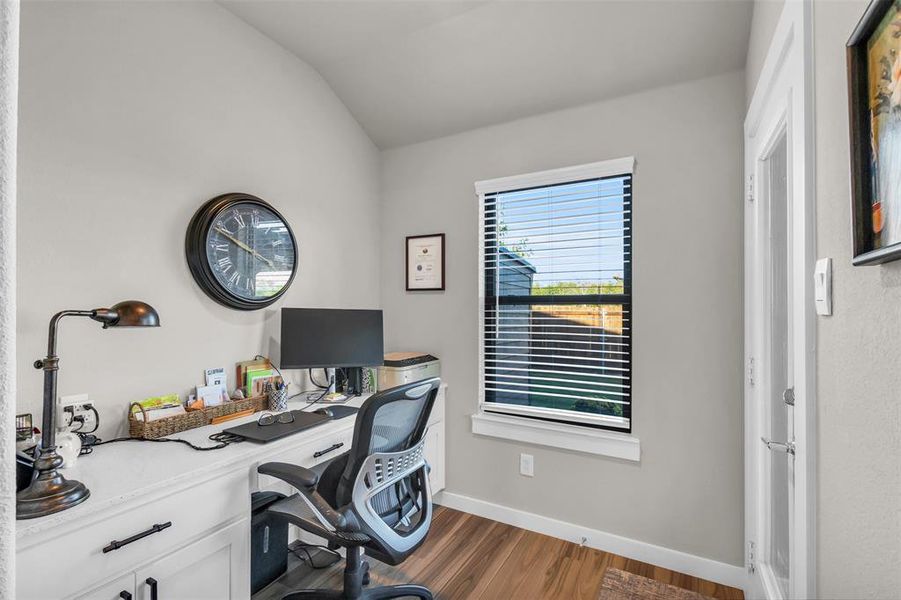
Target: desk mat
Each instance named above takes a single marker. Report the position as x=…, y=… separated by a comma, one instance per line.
x=268, y=433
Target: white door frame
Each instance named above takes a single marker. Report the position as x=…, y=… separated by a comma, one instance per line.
x=9, y=82
x=783, y=98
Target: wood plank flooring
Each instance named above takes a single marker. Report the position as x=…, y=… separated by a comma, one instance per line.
x=468, y=557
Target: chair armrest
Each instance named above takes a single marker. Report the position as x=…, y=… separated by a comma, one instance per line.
x=295, y=475
x=296, y=510
x=304, y=481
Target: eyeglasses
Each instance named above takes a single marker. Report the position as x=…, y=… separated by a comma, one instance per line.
x=271, y=419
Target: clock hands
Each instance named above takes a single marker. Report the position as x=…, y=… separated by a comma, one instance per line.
x=244, y=246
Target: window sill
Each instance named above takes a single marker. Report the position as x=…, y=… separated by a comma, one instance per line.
x=558, y=435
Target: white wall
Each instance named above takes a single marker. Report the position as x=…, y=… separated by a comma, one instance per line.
x=132, y=115
x=763, y=25
x=858, y=380
x=686, y=493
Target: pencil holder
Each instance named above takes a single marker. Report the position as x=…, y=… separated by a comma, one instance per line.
x=278, y=399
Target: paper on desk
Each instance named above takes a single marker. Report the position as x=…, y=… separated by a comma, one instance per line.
x=212, y=395
x=154, y=414
x=216, y=376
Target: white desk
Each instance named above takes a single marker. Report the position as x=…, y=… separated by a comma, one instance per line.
x=206, y=496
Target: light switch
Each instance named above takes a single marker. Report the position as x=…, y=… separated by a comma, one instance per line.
x=822, y=286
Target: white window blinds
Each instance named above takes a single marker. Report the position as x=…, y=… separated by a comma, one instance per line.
x=556, y=295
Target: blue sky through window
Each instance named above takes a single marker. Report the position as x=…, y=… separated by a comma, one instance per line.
x=569, y=233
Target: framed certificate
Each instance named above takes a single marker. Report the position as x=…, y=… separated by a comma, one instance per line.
x=425, y=262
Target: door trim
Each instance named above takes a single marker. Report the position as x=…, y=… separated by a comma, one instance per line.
x=787, y=77
x=9, y=102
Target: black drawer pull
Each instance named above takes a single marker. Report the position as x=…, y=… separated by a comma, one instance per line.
x=327, y=450
x=153, y=585
x=116, y=544
x=125, y=595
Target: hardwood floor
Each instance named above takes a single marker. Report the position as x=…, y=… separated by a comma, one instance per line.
x=468, y=557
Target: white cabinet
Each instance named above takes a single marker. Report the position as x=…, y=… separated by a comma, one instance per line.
x=202, y=498
x=122, y=588
x=213, y=568
x=434, y=442
x=434, y=455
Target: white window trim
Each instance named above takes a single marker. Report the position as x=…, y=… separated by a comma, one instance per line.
x=557, y=435
x=596, y=170
x=553, y=414
x=521, y=428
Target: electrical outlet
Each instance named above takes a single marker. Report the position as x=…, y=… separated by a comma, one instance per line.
x=527, y=465
x=73, y=400
x=73, y=411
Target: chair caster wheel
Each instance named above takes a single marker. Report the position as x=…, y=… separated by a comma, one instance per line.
x=366, y=578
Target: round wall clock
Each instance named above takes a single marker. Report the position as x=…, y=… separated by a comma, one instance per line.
x=241, y=251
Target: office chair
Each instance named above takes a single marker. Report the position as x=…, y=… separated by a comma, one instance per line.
x=375, y=497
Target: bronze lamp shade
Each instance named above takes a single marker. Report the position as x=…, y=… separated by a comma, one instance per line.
x=128, y=313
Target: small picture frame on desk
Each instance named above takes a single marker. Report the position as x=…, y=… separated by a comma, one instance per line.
x=425, y=263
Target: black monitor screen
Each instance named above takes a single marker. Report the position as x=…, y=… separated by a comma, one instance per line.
x=327, y=337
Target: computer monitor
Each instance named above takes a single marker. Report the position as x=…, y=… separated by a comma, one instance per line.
x=329, y=338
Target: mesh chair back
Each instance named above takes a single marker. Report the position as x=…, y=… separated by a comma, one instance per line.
x=395, y=424
x=389, y=421
x=386, y=477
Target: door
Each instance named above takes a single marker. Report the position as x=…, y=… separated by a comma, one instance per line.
x=775, y=449
x=779, y=320
x=216, y=567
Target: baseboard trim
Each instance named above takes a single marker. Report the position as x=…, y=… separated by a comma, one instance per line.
x=697, y=566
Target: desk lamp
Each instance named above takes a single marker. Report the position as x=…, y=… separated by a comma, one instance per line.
x=50, y=492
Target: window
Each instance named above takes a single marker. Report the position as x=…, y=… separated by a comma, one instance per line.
x=556, y=287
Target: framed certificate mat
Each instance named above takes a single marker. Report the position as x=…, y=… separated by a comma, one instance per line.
x=425, y=262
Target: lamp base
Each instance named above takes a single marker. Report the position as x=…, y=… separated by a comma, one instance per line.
x=49, y=491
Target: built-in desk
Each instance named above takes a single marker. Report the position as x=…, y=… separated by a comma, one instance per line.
x=206, y=497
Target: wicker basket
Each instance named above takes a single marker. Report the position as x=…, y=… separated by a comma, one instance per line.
x=194, y=418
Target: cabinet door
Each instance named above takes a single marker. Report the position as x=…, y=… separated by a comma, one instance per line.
x=122, y=588
x=216, y=567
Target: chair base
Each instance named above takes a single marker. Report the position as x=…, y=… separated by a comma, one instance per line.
x=356, y=576
x=377, y=593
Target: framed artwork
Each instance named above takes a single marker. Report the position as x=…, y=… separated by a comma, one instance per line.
x=425, y=262
x=874, y=93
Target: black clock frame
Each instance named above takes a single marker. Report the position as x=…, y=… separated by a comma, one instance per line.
x=195, y=251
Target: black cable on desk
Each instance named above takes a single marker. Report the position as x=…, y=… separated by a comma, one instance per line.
x=222, y=442
x=313, y=381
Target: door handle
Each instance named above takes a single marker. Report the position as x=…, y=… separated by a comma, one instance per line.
x=153, y=587
x=125, y=595
x=787, y=447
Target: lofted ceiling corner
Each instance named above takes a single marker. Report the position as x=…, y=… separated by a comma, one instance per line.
x=414, y=70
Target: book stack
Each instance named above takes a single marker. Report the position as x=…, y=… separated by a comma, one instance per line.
x=255, y=376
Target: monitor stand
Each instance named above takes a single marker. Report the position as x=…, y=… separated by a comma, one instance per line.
x=349, y=380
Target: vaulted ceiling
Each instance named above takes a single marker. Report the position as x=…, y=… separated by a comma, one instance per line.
x=413, y=70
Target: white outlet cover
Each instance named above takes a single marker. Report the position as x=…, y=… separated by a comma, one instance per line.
x=527, y=465
x=73, y=400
